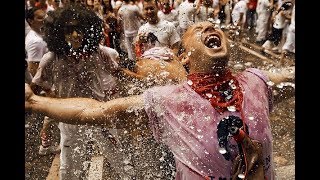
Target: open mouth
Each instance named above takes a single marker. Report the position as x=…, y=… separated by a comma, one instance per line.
x=212, y=41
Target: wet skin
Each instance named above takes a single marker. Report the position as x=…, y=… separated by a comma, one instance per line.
x=73, y=35
x=207, y=48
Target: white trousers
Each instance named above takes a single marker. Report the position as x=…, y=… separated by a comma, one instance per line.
x=75, y=156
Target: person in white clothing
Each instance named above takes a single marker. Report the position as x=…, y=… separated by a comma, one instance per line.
x=239, y=13
x=130, y=16
x=264, y=12
x=77, y=66
x=34, y=44
x=168, y=13
x=35, y=48
x=289, y=45
x=187, y=12
x=164, y=31
x=279, y=24
x=205, y=11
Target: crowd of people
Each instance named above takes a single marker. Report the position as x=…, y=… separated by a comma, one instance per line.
x=147, y=82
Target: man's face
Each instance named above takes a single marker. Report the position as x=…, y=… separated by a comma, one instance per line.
x=150, y=10
x=166, y=4
x=73, y=34
x=38, y=21
x=90, y=2
x=106, y=2
x=205, y=45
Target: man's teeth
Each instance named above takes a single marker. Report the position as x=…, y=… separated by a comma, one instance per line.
x=212, y=45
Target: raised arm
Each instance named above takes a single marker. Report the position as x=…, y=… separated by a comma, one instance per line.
x=281, y=75
x=119, y=113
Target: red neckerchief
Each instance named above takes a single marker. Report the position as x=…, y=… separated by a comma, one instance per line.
x=223, y=91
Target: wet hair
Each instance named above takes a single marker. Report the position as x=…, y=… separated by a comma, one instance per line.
x=88, y=23
x=29, y=14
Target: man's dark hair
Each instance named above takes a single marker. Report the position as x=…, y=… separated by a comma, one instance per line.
x=29, y=13
x=89, y=24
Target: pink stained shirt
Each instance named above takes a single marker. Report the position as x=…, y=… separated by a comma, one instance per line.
x=187, y=123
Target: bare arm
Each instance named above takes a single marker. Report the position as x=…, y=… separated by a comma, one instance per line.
x=281, y=75
x=119, y=113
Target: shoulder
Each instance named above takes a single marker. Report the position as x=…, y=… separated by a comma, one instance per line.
x=166, y=93
x=167, y=24
x=255, y=73
x=32, y=38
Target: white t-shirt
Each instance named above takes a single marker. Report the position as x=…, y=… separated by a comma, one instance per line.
x=262, y=6
x=204, y=13
x=171, y=17
x=27, y=27
x=128, y=13
x=35, y=46
x=90, y=77
x=240, y=7
x=186, y=14
x=164, y=30
x=280, y=20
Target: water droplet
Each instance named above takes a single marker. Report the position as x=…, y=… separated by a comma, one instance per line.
x=241, y=176
x=200, y=136
x=250, y=117
x=229, y=97
x=222, y=150
x=233, y=86
x=161, y=159
x=270, y=83
x=190, y=82
x=209, y=95
x=231, y=108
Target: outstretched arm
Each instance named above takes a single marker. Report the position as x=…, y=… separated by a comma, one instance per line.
x=119, y=113
x=281, y=75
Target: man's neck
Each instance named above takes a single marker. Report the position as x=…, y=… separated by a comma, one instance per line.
x=37, y=31
x=154, y=21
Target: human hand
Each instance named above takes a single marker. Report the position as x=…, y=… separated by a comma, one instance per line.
x=252, y=165
x=288, y=73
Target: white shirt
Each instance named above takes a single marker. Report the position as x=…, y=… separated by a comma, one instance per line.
x=89, y=77
x=186, y=14
x=164, y=30
x=240, y=7
x=129, y=14
x=280, y=20
x=27, y=27
x=171, y=17
x=35, y=46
